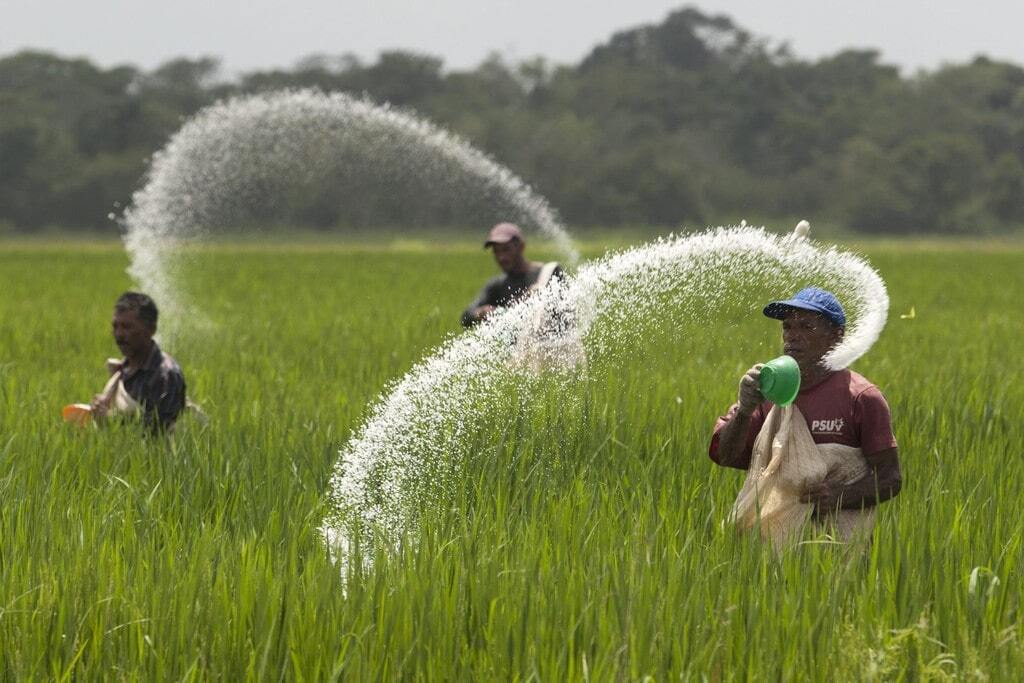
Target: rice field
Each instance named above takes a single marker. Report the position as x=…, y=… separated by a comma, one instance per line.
x=584, y=540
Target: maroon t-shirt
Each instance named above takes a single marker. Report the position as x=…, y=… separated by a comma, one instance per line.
x=845, y=409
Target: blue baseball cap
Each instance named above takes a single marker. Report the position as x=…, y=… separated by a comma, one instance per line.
x=812, y=299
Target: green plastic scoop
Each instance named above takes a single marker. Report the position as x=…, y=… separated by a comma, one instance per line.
x=780, y=380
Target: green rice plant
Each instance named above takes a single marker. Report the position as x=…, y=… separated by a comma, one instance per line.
x=581, y=539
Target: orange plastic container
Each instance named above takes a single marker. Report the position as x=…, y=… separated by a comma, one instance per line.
x=77, y=413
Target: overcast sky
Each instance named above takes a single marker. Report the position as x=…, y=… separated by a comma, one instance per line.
x=257, y=34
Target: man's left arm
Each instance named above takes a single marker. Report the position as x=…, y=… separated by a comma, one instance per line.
x=884, y=478
x=882, y=482
x=165, y=402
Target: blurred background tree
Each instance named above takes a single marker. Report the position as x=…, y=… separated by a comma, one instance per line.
x=686, y=122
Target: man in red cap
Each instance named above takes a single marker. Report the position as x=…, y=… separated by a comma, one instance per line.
x=521, y=276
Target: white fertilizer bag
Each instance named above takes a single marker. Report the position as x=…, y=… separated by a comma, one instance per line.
x=785, y=462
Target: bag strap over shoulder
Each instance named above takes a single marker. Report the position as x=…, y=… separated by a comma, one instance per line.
x=546, y=271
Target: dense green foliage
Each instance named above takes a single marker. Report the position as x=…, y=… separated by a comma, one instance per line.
x=599, y=554
x=689, y=121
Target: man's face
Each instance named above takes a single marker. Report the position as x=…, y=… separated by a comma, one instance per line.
x=509, y=254
x=807, y=337
x=131, y=333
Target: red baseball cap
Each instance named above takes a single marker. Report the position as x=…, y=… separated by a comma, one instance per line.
x=502, y=233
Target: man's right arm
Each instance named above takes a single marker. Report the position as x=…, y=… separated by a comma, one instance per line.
x=732, y=447
x=476, y=313
x=732, y=442
x=481, y=307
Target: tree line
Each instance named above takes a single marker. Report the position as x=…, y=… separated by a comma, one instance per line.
x=684, y=122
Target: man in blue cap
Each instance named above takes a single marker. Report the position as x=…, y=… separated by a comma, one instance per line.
x=843, y=411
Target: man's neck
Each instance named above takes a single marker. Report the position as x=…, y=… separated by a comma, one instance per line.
x=136, y=361
x=814, y=377
x=521, y=268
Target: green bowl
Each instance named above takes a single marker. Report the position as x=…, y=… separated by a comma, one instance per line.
x=780, y=380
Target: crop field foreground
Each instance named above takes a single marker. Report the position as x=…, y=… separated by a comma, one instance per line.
x=585, y=540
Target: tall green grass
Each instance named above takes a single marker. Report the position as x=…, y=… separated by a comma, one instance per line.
x=584, y=539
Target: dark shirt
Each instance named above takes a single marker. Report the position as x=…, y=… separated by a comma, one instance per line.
x=159, y=387
x=504, y=290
